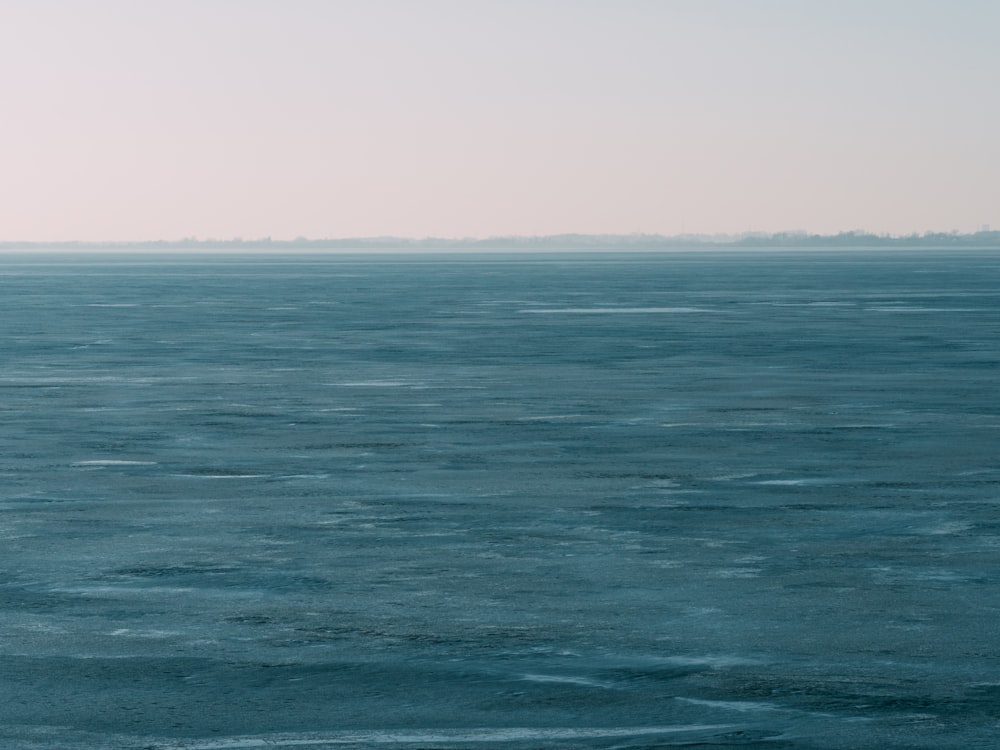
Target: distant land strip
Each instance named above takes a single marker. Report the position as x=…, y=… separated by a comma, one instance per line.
x=556, y=242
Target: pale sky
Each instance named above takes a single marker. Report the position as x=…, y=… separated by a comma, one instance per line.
x=160, y=119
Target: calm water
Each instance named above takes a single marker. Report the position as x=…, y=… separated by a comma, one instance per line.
x=562, y=502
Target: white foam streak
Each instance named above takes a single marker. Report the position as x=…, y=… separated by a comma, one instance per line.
x=741, y=706
x=445, y=736
x=901, y=308
x=221, y=476
x=113, y=462
x=614, y=310
x=379, y=384
x=566, y=680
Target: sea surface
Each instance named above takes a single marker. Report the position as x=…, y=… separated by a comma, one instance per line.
x=718, y=500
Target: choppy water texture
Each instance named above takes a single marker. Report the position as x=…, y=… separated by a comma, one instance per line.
x=560, y=502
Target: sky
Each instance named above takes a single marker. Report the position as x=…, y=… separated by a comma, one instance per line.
x=161, y=119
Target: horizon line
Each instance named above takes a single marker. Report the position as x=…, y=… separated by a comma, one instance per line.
x=636, y=238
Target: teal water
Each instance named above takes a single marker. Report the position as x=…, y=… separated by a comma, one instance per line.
x=643, y=501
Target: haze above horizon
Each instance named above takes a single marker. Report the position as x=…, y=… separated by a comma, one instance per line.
x=132, y=121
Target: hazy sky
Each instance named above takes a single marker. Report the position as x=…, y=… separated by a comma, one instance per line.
x=148, y=119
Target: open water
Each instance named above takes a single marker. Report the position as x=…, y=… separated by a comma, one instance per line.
x=568, y=501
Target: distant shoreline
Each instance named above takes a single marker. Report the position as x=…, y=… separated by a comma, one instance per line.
x=549, y=243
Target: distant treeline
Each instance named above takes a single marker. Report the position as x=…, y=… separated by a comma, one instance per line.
x=644, y=242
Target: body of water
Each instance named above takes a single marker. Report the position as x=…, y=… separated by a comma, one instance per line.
x=566, y=501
